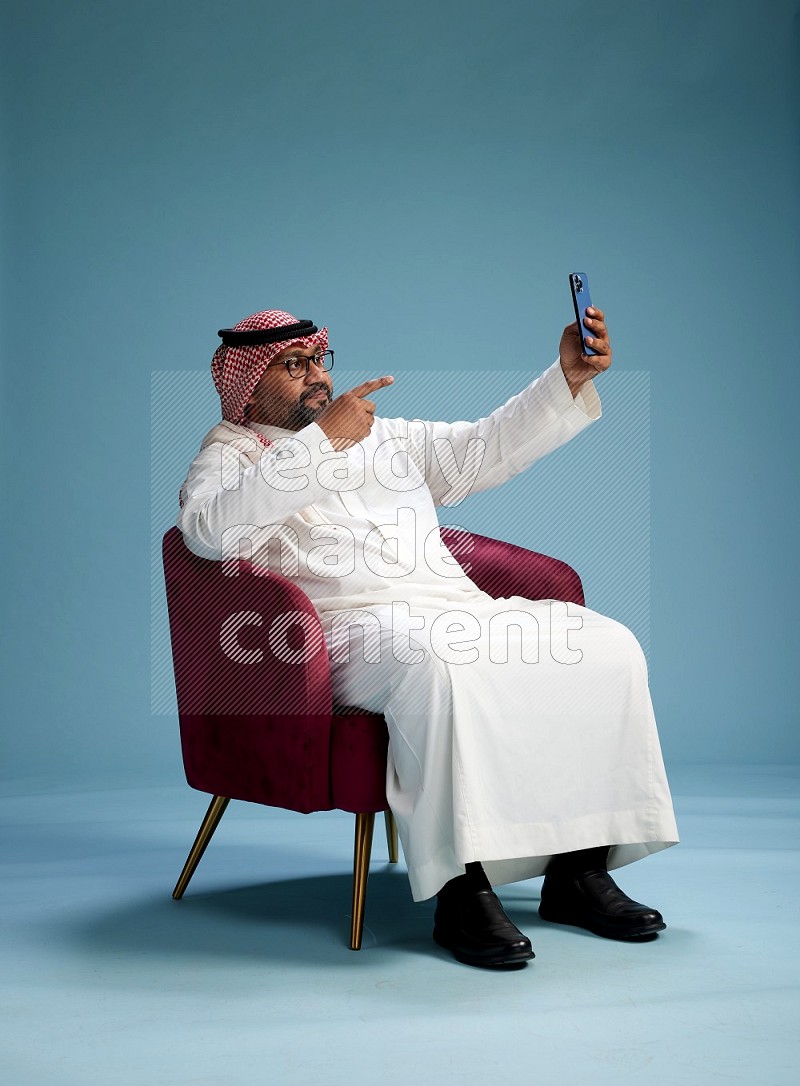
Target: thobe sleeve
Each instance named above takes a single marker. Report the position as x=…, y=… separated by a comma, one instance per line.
x=226, y=498
x=461, y=458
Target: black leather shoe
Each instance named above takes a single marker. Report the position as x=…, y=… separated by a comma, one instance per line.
x=474, y=926
x=595, y=902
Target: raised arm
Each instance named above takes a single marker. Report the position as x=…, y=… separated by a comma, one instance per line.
x=461, y=458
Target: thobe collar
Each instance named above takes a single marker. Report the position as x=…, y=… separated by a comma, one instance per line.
x=272, y=432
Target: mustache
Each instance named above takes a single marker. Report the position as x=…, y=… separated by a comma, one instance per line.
x=314, y=389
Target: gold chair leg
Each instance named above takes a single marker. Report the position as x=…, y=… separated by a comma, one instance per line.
x=216, y=810
x=391, y=836
x=363, y=847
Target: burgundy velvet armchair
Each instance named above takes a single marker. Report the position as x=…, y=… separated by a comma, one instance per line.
x=261, y=726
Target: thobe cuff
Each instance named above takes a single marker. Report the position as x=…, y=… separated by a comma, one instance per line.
x=586, y=401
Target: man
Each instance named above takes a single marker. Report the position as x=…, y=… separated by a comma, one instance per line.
x=521, y=733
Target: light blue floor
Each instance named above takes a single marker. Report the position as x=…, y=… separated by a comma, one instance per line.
x=249, y=978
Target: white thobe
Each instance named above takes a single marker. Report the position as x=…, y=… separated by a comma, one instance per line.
x=517, y=729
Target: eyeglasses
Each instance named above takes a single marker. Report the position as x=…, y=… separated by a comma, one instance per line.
x=298, y=366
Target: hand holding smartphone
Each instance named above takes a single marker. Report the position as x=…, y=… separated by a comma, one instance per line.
x=581, y=300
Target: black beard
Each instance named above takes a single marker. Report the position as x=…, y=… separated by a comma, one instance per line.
x=303, y=414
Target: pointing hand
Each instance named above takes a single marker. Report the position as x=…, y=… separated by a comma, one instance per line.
x=349, y=418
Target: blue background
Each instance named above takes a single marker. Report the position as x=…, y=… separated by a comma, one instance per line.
x=420, y=177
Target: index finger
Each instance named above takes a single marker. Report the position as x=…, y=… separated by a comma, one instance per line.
x=371, y=386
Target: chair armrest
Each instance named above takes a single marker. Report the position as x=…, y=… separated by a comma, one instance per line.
x=503, y=569
x=242, y=643
x=253, y=682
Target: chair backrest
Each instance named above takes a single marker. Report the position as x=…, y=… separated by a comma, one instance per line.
x=219, y=623
x=503, y=569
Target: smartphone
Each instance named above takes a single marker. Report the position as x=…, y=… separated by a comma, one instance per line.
x=581, y=299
